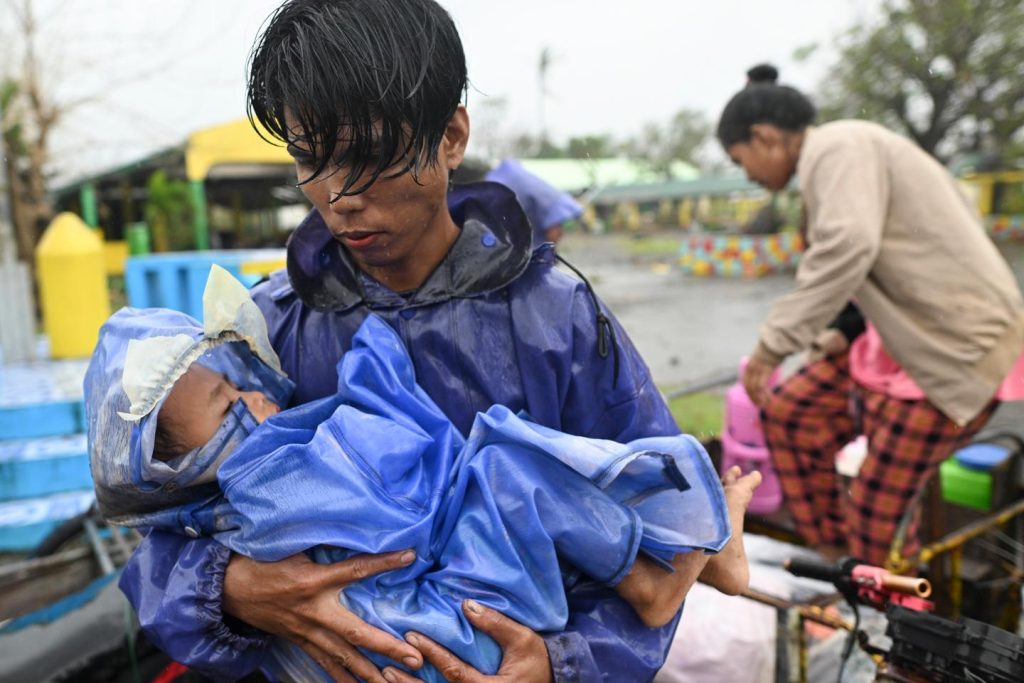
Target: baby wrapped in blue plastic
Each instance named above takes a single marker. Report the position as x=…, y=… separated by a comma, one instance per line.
x=505, y=516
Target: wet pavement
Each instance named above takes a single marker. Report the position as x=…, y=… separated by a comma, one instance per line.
x=686, y=328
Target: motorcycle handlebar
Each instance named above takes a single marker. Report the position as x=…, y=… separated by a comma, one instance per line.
x=833, y=573
x=813, y=569
x=908, y=585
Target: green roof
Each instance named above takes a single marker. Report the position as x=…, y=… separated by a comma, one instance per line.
x=576, y=175
x=675, y=189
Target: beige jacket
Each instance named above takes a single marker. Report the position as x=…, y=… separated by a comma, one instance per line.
x=889, y=228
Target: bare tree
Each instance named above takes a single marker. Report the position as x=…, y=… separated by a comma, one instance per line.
x=29, y=117
x=34, y=106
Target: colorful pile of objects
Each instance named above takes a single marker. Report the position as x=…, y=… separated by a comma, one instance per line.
x=746, y=256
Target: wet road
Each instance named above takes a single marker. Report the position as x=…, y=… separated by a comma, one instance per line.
x=686, y=328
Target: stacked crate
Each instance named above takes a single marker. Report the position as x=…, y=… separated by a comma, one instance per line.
x=177, y=280
x=44, y=462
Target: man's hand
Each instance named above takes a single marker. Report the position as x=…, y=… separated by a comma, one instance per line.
x=524, y=654
x=830, y=342
x=297, y=599
x=755, y=380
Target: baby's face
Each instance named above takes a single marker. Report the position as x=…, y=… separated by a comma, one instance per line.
x=199, y=402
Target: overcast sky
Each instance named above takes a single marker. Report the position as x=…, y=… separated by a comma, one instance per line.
x=159, y=70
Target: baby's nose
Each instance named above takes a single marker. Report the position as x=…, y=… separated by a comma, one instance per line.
x=259, y=405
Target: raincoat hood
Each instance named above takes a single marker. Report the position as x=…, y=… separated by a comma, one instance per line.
x=141, y=353
x=545, y=205
x=325, y=278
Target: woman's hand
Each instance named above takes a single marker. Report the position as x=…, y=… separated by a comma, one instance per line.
x=524, y=654
x=297, y=599
x=755, y=380
x=830, y=342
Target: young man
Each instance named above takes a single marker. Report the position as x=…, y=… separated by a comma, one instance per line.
x=366, y=94
x=496, y=518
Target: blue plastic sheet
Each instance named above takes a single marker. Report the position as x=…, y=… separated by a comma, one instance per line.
x=545, y=205
x=378, y=467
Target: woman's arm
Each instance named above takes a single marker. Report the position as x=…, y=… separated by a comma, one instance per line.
x=846, y=197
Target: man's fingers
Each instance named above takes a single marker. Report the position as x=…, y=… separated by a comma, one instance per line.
x=506, y=632
x=451, y=667
x=341, y=659
x=347, y=627
x=393, y=675
x=361, y=566
x=327, y=663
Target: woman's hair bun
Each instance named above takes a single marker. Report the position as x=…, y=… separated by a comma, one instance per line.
x=762, y=73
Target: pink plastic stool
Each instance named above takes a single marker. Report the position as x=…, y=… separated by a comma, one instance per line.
x=743, y=445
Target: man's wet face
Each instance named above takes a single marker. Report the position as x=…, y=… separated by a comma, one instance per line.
x=397, y=229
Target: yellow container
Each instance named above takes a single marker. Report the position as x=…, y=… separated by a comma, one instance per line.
x=71, y=268
x=115, y=254
x=263, y=268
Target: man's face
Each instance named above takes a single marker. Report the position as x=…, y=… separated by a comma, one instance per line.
x=398, y=229
x=199, y=402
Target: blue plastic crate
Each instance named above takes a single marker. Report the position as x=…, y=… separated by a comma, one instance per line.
x=42, y=419
x=39, y=467
x=24, y=523
x=176, y=280
x=41, y=399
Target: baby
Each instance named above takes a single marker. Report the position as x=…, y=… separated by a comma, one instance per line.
x=507, y=516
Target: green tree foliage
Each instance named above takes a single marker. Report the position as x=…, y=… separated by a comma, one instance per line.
x=169, y=213
x=682, y=139
x=949, y=73
x=590, y=147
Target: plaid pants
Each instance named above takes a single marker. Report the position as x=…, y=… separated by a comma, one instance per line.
x=809, y=418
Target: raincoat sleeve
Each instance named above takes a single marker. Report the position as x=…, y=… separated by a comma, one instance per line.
x=179, y=605
x=610, y=396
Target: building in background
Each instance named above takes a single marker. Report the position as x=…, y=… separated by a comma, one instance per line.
x=225, y=187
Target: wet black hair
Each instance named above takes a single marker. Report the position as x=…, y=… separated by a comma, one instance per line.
x=371, y=83
x=763, y=101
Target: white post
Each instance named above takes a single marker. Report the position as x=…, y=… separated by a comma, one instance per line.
x=17, y=317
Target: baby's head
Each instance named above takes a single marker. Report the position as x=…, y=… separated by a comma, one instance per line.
x=167, y=398
x=196, y=407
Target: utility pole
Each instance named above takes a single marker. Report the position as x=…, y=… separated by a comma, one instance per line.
x=542, y=77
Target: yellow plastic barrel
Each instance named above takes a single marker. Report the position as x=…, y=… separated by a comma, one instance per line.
x=71, y=268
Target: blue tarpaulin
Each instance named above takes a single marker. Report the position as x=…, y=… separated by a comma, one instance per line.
x=545, y=205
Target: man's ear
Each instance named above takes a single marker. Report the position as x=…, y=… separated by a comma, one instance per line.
x=456, y=137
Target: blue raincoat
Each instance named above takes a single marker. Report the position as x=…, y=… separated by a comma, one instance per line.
x=378, y=467
x=494, y=324
x=544, y=204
